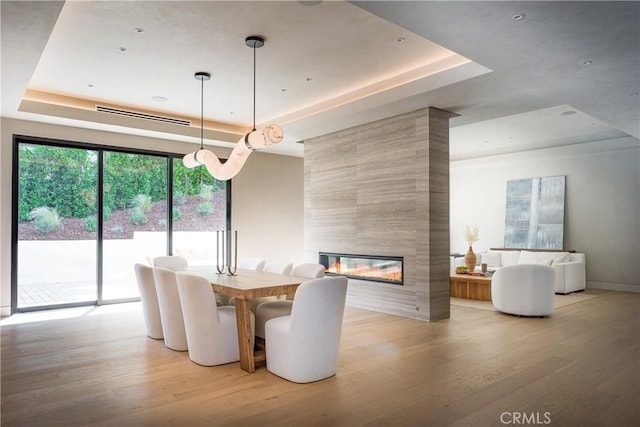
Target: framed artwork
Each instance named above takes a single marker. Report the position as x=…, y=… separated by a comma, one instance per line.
x=534, y=217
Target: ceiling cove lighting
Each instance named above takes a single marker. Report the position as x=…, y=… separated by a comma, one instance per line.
x=254, y=140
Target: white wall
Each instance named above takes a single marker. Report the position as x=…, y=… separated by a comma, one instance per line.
x=267, y=195
x=602, y=203
x=268, y=209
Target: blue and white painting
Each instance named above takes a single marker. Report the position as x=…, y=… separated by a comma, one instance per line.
x=535, y=213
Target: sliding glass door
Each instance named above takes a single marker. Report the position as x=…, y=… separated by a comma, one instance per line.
x=135, y=219
x=85, y=215
x=56, y=242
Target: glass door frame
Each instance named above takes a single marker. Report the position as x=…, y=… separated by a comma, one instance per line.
x=100, y=149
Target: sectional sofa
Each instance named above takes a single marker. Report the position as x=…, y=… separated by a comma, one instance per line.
x=569, y=266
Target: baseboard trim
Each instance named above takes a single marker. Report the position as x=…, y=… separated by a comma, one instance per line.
x=623, y=287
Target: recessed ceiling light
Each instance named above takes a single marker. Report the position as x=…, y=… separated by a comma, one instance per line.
x=634, y=94
x=122, y=49
x=283, y=90
x=518, y=17
x=587, y=63
x=90, y=84
x=139, y=30
x=309, y=79
x=568, y=113
x=400, y=40
x=160, y=98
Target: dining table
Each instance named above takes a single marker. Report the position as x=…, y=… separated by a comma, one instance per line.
x=243, y=286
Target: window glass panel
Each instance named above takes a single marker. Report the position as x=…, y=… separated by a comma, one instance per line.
x=199, y=210
x=56, y=225
x=135, y=218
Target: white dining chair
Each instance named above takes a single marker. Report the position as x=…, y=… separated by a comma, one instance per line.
x=149, y=301
x=170, y=261
x=278, y=267
x=253, y=263
x=268, y=310
x=212, y=331
x=176, y=262
x=171, y=317
x=308, y=269
x=303, y=346
x=257, y=264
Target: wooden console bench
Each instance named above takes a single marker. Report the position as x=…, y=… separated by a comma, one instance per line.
x=470, y=286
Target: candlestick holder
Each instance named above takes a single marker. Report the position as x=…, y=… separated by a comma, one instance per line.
x=224, y=260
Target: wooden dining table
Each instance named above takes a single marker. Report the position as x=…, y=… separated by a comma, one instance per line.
x=245, y=285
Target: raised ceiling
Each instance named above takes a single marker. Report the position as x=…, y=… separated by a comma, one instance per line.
x=329, y=66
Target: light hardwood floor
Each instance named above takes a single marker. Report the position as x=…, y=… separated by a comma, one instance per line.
x=580, y=366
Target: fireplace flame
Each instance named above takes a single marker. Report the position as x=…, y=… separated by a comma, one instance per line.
x=367, y=271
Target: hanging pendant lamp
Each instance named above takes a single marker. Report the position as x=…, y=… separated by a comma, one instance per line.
x=254, y=140
x=191, y=160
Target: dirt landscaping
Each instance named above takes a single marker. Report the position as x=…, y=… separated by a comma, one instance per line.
x=120, y=226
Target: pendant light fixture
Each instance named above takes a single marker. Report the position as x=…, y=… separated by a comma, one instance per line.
x=191, y=160
x=254, y=140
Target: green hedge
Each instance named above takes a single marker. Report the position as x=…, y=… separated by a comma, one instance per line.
x=62, y=178
x=127, y=175
x=188, y=182
x=66, y=179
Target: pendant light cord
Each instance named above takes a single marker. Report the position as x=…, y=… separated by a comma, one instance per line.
x=202, y=113
x=254, y=86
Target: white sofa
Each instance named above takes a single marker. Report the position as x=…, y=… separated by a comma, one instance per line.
x=569, y=266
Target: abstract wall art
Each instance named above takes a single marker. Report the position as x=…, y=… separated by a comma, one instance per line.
x=534, y=217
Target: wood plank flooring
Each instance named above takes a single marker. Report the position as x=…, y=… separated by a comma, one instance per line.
x=580, y=366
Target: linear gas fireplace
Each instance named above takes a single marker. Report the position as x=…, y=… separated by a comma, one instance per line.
x=387, y=269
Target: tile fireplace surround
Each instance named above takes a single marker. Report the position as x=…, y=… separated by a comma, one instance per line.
x=383, y=188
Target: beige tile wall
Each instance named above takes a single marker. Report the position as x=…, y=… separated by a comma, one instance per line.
x=383, y=189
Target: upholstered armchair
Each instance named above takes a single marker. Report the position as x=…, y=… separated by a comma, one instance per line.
x=175, y=337
x=149, y=301
x=212, y=331
x=309, y=269
x=270, y=309
x=524, y=289
x=303, y=346
x=279, y=267
x=253, y=263
x=171, y=262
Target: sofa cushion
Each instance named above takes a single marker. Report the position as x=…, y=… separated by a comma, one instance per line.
x=491, y=258
x=509, y=258
x=544, y=258
x=561, y=257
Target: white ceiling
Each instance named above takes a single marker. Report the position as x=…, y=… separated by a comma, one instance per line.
x=329, y=66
